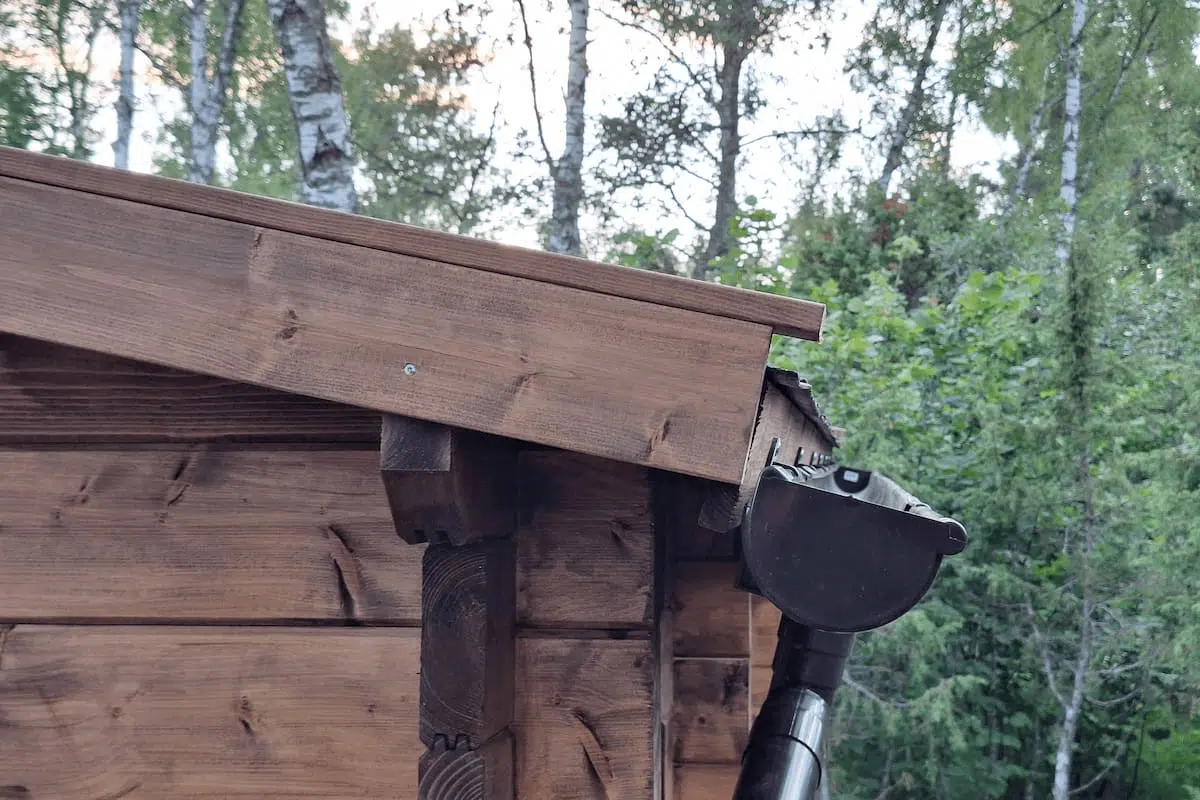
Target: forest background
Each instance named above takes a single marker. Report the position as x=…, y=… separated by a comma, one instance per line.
x=999, y=200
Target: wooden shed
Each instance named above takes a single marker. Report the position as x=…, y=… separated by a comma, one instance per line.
x=299, y=504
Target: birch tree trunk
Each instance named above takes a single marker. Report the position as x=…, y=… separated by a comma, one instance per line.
x=206, y=97
x=1068, y=188
x=729, y=112
x=1028, y=150
x=568, y=170
x=1064, y=753
x=127, y=35
x=315, y=92
x=916, y=99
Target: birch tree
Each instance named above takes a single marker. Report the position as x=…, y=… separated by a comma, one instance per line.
x=315, y=94
x=207, y=95
x=566, y=171
x=1073, y=102
x=127, y=36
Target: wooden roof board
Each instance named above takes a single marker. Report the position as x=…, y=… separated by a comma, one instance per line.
x=611, y=376
x=785, y=315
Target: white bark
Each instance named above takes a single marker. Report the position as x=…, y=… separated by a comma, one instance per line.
x=916, y=99
x=568, y=170
x=1064, y=753
x=127, y=35
x=1029, y=149
x=315, y=91
x=1069, y=190
x=206, y=97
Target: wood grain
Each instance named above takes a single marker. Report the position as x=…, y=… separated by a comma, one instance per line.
x=764, y=636
x=788, y=316
x=485, y=773
x=712, y=712
x=467, y=643
x=584, y=721
x=447, y=484
x=712, y=614
x=779, y=417
x=143, y=713
x=591, y=373
x=705, y=781
x=585, y=543
x=201, y=533
x=51, y=394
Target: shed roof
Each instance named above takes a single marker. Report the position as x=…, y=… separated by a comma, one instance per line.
x=606, y=360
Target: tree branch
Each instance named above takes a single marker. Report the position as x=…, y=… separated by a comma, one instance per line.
x=697, y=80
x=870, y=695
x=803, y=132
x=1045, y=653
x=164, y=71
x=537, y=112
x=229, y=42
x=679, y=204
x=1116, y=701
x=1096, y=778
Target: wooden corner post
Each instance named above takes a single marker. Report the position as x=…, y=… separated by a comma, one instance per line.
x=455, y=491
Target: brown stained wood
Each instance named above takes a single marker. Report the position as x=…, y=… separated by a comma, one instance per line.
x=712, y=710
x=712, y=614
x=51, y=394
x=705, y=781
x=788, y=316
x=208, y=713
x=679, y=500
x=201, y=533
x=467, y=644
x=584, y=719
x=585, y=543
x=779, y=417
x=764, y=636
x=592, y=373
x=447, y=484
x=482, y=774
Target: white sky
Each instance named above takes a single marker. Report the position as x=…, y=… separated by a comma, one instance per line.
x=807, y=82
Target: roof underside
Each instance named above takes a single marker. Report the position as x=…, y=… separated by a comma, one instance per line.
x=605, y=360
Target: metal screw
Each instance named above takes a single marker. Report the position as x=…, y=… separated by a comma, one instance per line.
x=410, y=369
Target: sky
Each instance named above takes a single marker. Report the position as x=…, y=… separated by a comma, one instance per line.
x=802, y=82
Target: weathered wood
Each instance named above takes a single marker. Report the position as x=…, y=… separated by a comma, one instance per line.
x=208, y=713
x=482, y=774
x=51, y=394
x=682, y=499
x=584, y=719
x=764, y=636
x=712, y=614
x=591, y=373
x=467, y=634
x=781, y=416
x=585, y=543
x=705, y=781
x=665, y=504
x=203, y=534
x=447, y=484
x=712, y=709
x=785, y=315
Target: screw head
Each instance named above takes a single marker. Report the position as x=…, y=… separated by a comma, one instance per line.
x=410, y=369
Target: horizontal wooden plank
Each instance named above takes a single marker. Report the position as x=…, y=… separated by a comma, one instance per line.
x=788, y=316
x=608, y=376
x=584, y=722
x=50, y=393
x=585, y=543
x=712, y=615
x=161, y=712
x=202, y=533
x=712, y=710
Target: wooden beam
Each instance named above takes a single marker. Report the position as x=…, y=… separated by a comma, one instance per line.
x=513, y=357
x=447, y=484
x=204, y=713
x=467, y=670
x=201, y=534
x=712, y=710
x=787, y=412
x=51, y=394
x=788, y=316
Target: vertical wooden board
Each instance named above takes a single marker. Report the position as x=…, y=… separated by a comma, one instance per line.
x=705, y=781
x=585, y=543
x=712, y=614
x=584, y=719
x=764, y=636
x=207, y=534
x=166, y=713
x=712, y=710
